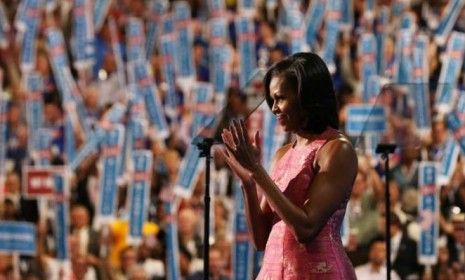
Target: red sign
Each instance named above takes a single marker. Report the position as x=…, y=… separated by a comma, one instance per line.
x=39, y=181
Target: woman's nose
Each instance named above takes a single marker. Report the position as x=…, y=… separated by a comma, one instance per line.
x=274, y=108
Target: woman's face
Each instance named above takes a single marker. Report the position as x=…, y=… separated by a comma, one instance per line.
x=285, y=105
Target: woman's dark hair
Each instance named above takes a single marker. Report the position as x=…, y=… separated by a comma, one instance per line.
x=309, y=76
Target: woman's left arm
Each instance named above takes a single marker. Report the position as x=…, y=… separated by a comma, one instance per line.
x=335, y=173
x=336, y=168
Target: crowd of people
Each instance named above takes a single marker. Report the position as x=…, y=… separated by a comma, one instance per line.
x=99, y=251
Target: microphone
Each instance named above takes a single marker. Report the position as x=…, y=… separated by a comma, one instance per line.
x=253, y=100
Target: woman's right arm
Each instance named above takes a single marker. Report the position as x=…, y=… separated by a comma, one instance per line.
x=258, y=216
x=258, y=211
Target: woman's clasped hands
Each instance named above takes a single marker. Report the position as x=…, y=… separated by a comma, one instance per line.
x=242, y=156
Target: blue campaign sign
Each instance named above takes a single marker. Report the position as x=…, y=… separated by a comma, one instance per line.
x=189, y=171
x=242, y=248
x=246, y=46
x=367, y=46
x=366, y=119
x=202, y=95
x=216, y=7
x=455, y=126
x=139, y=192
x=135, y=38
x=184, y=59
x=313, y=20
x=56, y=47
x=156, y=10
x=428, y=213
x=138, y=130
x=146, y=88
x=83, y=34
x=18, y=237
x=112, y=157
x=168, y=49
x=172, y=251
x=100, y=10
x=34, y=103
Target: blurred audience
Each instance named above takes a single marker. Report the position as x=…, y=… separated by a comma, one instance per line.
x=102, y=250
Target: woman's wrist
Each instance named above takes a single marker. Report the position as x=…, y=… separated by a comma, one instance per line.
x=257, y=172
x=249, y=182
x=248, y=186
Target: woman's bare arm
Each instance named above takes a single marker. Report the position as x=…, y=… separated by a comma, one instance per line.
x=337, y=167
x=258, y=211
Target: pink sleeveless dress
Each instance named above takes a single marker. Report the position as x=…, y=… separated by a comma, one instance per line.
x=324, y=257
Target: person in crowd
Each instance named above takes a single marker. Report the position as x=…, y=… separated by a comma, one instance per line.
x=439, y=137
x=221, y=178
x=88, y=238
x=189, y=238
x=216, y=266
x=6, y=266
x=76, y=267
x=17, y=135
x=407, y=221
x=405, y=172
x=456, y=242
x=127, y=260
x=137, y=272
x=375, y=268
x=150, y=257
x=221, y=215
x=13, y=185
x=442, y=269
x=119, y=231
x=268, y=41
x=200, y=53
x=403, y=248
x=54, y=120
x=10, y=211
x=363, y=212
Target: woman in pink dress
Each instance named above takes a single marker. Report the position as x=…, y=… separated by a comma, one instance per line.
x=303, y=200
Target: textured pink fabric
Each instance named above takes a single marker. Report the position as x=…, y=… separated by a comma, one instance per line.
x=322, y=258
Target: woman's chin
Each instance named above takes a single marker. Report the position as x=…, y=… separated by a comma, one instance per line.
x=283, y=123
x=285, y=128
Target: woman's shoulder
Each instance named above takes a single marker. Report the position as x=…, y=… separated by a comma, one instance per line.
x=339, y=148
x=336, y=138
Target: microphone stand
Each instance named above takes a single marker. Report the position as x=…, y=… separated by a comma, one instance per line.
x=204, y=144
x=385, y=150
x=205, y=151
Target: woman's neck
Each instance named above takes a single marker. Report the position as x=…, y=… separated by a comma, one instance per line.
x=303, y=138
